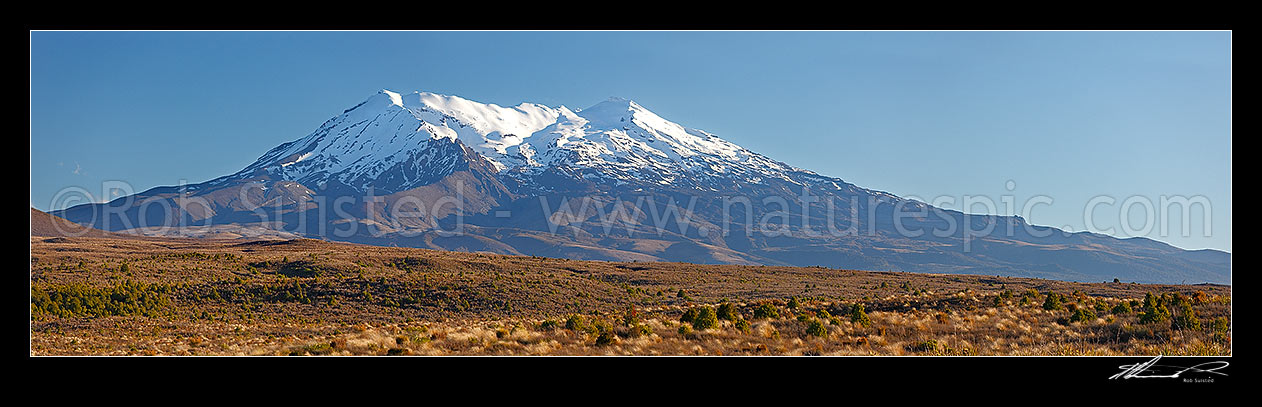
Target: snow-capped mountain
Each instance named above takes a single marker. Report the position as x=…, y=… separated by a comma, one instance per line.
x=627, y=143
x=412, y=135
x=539, y=180
x=393, y=142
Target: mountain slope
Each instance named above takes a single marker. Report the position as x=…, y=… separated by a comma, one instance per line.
x=612, y=182
x=47, y=225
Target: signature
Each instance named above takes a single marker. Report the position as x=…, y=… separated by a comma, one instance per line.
x=1151, y=370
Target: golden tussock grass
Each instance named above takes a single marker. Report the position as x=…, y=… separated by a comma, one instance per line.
x=316, y=298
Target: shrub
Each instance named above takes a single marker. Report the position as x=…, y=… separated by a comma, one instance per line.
x=1185, y=318
x=741, y=325
x=549, y=325
x=685, y=330
x=1154, y=310
x=1122, y=308
x=930, y=345
x=1082, y=315
x=1053, y=302
x=575, y=322
x=1154, y=315
x=1220, y=326
x=793, y=303
x=859, y=316
x=688, y=315
x=727, y=311
x=599, y=326
x=816, y=328
x=631, y=318
x=81, y=300
x=640, y=330
x=605, y=338
x=705, y=319
x=766, y=311
x=823, y=314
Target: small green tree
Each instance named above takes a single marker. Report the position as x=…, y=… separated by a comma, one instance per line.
x=1154, y=310
x=575, y=322
x=766, y=311
x=1221, y=326
x=1122, y=308
x=858, y=315
x=1101, y=307
x=1185, y=318
x=689, y=315
x=727, y=311
x=816, y=328
x=705, y=319
x=1053, y=302
x=1082, y=315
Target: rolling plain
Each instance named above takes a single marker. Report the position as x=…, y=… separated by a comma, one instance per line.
x=162, y=296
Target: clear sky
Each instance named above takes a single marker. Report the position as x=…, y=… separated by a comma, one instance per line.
x=1067, y=115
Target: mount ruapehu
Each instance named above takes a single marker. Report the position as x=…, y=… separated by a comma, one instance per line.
x=611, y=182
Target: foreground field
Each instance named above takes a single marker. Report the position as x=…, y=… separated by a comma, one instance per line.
x=150, y=296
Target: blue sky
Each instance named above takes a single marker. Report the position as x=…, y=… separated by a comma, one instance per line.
x=1067, y=115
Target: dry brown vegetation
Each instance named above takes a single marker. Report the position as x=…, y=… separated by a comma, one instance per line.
x=109, y=296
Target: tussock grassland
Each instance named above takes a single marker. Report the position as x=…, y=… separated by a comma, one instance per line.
x=103, y=296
